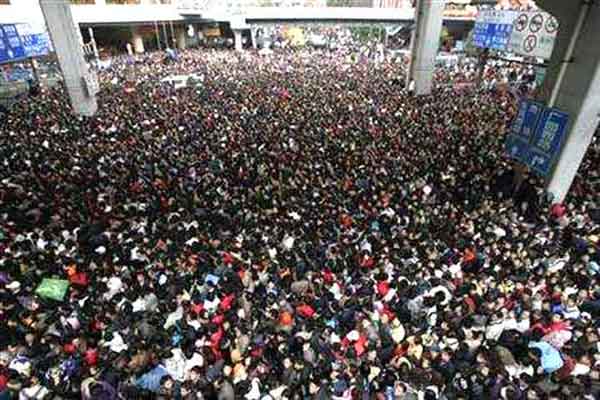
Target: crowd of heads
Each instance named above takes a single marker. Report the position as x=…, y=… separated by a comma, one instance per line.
x=288, y=227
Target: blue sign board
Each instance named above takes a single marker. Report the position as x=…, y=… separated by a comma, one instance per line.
x=536, y=137
x=540, y=163
x=36, y=45
x=11, y=47
x=527, y=119
x=517, y=148
x=492, y=36
x=550, y=132
x=20, y=41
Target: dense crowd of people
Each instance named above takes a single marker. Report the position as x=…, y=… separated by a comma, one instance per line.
x=288, y=227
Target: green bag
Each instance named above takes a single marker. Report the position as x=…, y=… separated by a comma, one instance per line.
x=54, y=289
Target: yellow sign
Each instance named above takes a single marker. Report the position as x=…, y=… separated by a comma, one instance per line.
x=211, y=32
x=295, y=36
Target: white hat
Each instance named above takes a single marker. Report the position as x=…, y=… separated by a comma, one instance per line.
x=14, y=286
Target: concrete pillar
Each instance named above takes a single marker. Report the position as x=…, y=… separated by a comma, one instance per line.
x=386, y=37
x=173, y=36
x=81, y=84
x=157, y=33
x=579, y=93
x=237, y=34
x=425, y=43
x=181, y=40
x=253, y=33
x=138, y=42
x=94, y=44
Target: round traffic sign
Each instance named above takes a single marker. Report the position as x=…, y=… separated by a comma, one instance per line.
x=530, y=43
x=551, y=25
x=536, y=24
x=521, y=22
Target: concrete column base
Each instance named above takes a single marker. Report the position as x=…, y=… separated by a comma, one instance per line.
x=253, y=33
x=181, y=39
x=138, y=43
x=237, y=34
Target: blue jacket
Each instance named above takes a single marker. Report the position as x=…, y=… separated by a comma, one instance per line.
x=551, y=359
x=151, y=380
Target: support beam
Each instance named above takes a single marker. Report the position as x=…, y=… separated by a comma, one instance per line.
x=94, y=44
x=253, y=32
x=173, y=36
x=69, y=52
x=181, y=39
x=237, y=34
x=573, y=84
x=158, y=46
x=424, y=44
x=168, y=42
x=137, y=41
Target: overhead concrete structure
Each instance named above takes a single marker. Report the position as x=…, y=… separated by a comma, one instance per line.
x=181, y=40
x=237, y=35
x=573, y=84
x=81, y=84
x=425, y=43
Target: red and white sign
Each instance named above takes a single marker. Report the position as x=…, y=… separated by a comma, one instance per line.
x=533, y=34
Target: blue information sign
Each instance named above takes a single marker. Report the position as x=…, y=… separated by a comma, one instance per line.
x=536, y=137
x=11, y=47
x=517, y=148
x=527, y=119
x=540, y=163
x=36, y=45
x=550, y=132
x=492, y=36
x=20, y=41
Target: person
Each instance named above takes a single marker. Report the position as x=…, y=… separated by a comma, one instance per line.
x=297, y=226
